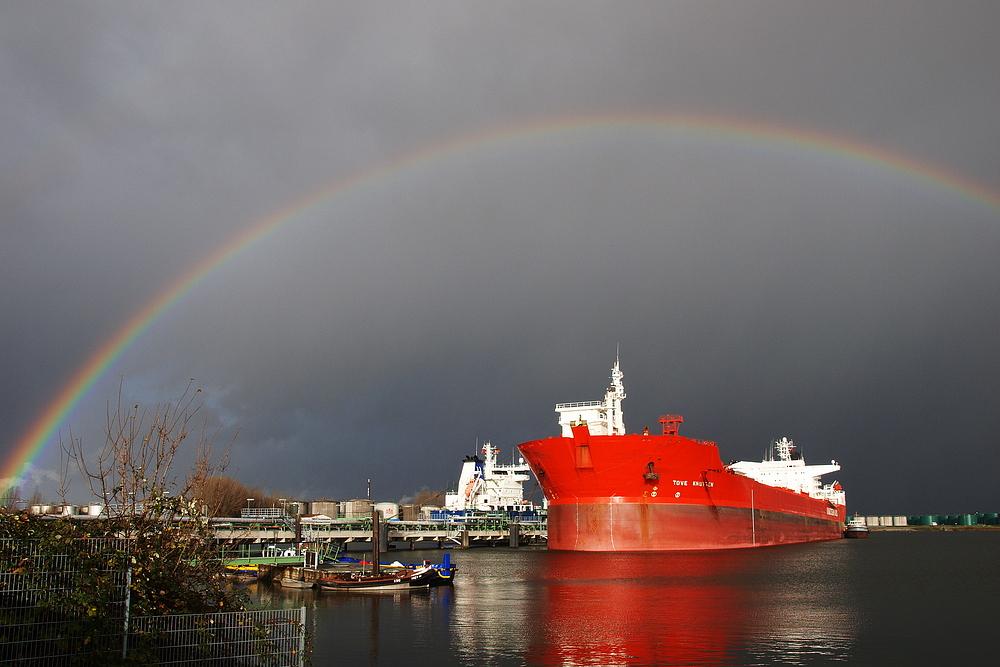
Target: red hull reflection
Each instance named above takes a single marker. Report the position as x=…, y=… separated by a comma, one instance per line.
x=683, y=608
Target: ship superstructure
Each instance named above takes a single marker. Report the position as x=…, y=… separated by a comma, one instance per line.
x=602, y=417
x=608, y=490
x=785, y=468
x=487, y=485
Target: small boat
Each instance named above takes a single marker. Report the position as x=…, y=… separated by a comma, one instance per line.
x=395, y=577
x=443, y=576
x=389, y=580
x=444, y=573
x=288, y=582
x=242, y=572
x=856, y=528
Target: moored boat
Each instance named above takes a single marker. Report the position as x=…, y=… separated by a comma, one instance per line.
x=389, y=580
x=856, y=528
x=612, y=491
x=444, y=572
x=395, y=576
x=289, y=582
x=242, y=572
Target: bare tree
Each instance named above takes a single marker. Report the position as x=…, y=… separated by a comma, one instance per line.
x=175, y=557
x=10, y=498
x=134, y=471
x=428, y=497
x=36, y=498
x=224, y=496
x=155, y=550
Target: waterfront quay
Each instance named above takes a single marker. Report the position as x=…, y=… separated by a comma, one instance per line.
x=456, y=532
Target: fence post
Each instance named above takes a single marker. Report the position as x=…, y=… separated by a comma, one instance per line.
x=128, y=604
x=302, y=635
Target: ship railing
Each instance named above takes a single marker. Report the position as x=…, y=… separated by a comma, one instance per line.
x=584, y=404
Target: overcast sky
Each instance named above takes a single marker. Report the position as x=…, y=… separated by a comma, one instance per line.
x=761, y=289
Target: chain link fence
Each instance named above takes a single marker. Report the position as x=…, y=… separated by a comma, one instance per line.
x=262, y=637
x=43, y=618
x=43, y=621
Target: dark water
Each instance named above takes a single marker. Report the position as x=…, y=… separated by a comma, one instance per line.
x=914, y=598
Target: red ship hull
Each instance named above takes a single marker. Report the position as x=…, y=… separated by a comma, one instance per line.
x=664, y=493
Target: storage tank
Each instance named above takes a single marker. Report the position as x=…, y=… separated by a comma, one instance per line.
x=928, y=519
x=69, y=510
x=389, y=511
x=331, y=508
x=899, y=521
x=967, y=520
x=359, y=508
x=95, y=510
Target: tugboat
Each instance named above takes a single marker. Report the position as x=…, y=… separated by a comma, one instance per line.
x=856, y=528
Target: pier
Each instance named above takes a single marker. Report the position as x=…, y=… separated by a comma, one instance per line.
x=486, y=530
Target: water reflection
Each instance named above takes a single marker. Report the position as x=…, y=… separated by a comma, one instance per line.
x=784, y=604
x=616, y=609
x=787, y=605
x=806, y=611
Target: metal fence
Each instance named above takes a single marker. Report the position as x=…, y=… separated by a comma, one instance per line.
x=263, y=637
x=262, y=512
x=271, y=638
x=42, y=624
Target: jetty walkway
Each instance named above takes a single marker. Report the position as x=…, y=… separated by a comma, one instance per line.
x=463, y=532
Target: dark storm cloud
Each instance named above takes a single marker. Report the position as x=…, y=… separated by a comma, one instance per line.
x=760, y=293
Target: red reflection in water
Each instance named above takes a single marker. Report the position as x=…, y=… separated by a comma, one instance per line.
x=683, y=608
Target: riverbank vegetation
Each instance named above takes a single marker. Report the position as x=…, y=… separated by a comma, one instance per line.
x=150, y=552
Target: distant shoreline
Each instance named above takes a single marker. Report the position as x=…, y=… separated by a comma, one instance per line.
x=918, y=528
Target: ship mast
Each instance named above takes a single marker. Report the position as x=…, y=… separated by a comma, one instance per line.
x=784, y=448
x=613, y=401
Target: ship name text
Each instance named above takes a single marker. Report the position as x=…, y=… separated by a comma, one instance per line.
x=684, y=482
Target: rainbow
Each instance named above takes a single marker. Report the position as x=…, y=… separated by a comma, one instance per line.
x=695, y=130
